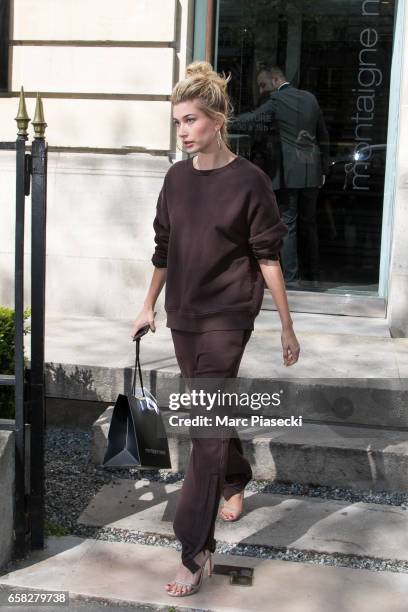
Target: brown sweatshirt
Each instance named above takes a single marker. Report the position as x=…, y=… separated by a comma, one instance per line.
x=211, y=226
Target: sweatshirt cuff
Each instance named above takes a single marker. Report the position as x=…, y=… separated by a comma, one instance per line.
x=268, y=243
x=158, y=261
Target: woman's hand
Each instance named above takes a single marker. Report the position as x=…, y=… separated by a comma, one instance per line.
x=145, y=317
x=290, y=345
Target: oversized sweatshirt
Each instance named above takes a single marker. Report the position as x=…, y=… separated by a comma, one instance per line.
x=211, y=227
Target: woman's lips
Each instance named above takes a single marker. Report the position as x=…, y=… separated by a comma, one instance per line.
x=188, y=144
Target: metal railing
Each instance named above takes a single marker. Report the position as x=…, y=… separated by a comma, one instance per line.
x=29, y=387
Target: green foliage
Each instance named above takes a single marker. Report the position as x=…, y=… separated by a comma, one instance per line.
x=7, y=364
x=53, y=529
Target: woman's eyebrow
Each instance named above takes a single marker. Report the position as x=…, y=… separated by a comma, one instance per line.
x=188, y=115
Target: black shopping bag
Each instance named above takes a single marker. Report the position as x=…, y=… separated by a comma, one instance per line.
x=137, y=436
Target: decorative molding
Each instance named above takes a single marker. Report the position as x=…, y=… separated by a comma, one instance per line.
x=93, y=43
x=88, y=96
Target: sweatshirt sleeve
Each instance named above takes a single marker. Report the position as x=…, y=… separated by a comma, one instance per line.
x=161, y=226
x=266, y=230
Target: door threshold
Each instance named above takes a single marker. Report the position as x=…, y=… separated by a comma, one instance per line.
x=331, y=303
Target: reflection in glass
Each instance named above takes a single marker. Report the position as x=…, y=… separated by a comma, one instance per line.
x=317, y=127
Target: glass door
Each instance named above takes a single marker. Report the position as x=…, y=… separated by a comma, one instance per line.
x=310, y=89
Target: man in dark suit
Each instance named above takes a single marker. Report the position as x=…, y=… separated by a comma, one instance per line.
x=302, y=165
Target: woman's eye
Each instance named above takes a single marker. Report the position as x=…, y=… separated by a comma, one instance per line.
x=176, y=123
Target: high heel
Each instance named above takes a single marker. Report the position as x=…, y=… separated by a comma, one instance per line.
x=210, y=565
x=194, y=588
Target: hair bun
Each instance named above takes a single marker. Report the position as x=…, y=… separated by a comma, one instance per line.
x=203, y=71
x=200, y=68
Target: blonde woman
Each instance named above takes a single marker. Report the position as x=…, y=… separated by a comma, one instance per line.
x=218, y=234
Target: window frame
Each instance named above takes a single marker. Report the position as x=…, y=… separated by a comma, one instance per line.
x=4, y=46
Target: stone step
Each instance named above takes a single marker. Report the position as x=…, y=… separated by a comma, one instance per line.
x=333, y=455
x=291, y=522
x=354, y=401
x=135, y=574
x=350, y=370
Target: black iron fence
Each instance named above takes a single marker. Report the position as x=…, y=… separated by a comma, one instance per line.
x=29, y=383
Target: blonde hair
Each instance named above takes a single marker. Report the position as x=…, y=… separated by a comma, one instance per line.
x=203, y=83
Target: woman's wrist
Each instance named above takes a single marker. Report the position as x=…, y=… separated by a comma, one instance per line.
x=287, y=326
x=148, y=304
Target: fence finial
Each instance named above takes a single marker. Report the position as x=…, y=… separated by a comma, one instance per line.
x=22, y=116
x=38, y=121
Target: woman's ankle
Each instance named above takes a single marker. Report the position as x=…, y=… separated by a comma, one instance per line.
x=235, y=494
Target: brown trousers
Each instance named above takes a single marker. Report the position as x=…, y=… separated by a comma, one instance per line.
x=216, y=465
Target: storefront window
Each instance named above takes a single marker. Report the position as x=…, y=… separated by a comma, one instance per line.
x=310, y=90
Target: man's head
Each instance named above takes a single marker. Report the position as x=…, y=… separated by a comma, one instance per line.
x=270, y=78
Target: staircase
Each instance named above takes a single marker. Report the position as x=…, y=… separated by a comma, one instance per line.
x=350, y=386
x=308, y=555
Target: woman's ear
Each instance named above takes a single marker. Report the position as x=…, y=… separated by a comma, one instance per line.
x=218, y=124
x=218, y=127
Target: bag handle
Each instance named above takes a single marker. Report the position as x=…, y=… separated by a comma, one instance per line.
x=137, y=367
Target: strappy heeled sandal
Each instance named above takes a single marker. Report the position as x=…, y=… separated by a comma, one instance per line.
x=236, y=513
x=194, y=587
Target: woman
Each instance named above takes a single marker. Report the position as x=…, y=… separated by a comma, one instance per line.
x=218, y=234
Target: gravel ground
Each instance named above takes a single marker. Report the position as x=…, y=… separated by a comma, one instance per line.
x=72, y=480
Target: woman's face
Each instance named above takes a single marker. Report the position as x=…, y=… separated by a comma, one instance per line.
x=195, y=129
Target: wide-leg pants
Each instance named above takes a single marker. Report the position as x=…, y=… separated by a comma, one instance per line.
x=217, y=464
